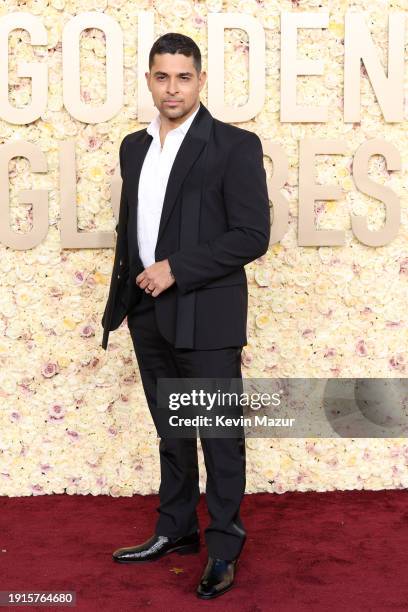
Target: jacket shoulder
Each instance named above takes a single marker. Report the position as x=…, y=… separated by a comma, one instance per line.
x=232, y=133
x=134, y=136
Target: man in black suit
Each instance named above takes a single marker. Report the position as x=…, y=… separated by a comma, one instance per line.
x=194, y=210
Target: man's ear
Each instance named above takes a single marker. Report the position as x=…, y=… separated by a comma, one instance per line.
x=202, y=79
x=147, y=75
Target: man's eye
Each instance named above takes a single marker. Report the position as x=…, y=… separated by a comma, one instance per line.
x=184, y=78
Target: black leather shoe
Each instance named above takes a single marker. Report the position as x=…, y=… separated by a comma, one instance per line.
x=218, y=577
x=157, y=546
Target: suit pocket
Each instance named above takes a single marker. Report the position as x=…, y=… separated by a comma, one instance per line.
x=238, y=277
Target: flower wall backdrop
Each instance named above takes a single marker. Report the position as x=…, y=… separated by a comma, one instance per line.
x=73, y=417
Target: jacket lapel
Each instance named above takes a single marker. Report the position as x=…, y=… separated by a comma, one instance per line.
x=137, y=156
x=192, y=145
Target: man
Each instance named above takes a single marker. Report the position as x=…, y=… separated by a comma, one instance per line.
x=194, y=210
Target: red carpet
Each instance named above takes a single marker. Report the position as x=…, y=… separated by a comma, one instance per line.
x=341, y=550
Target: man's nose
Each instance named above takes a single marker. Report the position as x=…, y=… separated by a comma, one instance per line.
x=172, y=87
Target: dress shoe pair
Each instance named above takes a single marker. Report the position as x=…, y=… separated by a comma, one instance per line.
x=218, y=576
x=157, y=546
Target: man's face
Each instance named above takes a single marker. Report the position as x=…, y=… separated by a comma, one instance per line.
x=173, y=77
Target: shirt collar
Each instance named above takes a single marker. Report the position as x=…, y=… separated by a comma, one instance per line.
x=154, y=126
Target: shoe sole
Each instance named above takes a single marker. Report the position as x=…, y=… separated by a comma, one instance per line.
x=189, y=549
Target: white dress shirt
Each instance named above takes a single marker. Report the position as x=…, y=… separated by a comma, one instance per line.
x=153, y=182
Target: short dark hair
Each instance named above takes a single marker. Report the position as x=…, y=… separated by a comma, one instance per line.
x=176, y=43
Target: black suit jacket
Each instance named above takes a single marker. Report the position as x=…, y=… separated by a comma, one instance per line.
x=215, y=219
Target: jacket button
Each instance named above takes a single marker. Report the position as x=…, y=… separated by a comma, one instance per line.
x=121, y=263
x=118, y=275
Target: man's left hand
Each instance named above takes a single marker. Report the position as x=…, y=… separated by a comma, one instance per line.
x=155, y=278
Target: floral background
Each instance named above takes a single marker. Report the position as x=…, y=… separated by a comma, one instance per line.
x=73, y=417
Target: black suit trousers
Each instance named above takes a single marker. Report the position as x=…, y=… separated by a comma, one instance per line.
x=225, y=459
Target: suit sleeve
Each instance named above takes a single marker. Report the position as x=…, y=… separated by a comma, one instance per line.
x=247, y=205
x=122, y=193
x=122, y=211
